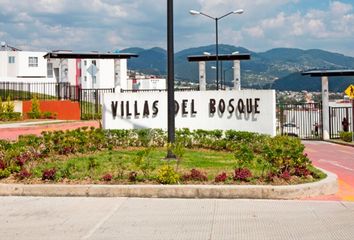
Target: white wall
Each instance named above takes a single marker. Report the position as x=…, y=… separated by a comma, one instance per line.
x=262, y=122
x=147, y=83
x=23, y=68
x=105, y=75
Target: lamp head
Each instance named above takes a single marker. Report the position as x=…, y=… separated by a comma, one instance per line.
x=194, y=12
x=239, y=11
x=207, y=53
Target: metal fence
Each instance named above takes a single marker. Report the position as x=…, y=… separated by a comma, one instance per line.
x=337, y=116
x=43, y=91
x=91, y=102
x=301, y=120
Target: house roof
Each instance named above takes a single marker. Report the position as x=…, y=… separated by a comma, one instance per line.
x=222, y=57
x=329, y=73
x=91, y=55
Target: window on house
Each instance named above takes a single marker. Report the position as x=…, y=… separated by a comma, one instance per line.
x=11, y=59
x=94, y=62
x=33, y=61
x=85, y=78
x=50, y=70
x=85, y=63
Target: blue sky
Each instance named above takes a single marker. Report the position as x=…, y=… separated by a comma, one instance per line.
x=105, y=25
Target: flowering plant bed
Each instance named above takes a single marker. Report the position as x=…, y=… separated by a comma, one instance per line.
x=138, y=157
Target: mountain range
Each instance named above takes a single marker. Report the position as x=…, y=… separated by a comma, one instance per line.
x=278, y=68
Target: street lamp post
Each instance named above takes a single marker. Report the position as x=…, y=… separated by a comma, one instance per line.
x=216, y=19
x=170, y=78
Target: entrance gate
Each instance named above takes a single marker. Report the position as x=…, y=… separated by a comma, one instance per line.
x=336, y=117
x=301, y=120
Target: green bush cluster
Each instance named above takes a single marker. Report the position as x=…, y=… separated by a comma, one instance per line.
x=274, y=156
x=346, y=136
x=7, y=111
x=279, y=156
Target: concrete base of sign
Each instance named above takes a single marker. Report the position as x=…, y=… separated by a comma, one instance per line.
x=327, y=186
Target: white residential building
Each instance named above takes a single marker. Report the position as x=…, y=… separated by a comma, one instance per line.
x=90, y=70
x=22, y=66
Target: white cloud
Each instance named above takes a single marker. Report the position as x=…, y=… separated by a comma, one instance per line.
x=110, y=24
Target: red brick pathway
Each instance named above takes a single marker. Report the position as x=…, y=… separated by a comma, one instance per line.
x=13, y=133
x=337, y=159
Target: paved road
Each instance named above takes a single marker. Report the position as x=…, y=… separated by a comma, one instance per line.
x=12, y=131
x=337, y=159
x=127, y=218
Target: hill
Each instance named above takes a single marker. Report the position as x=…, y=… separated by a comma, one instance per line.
x=297, y=82
x=277, y=67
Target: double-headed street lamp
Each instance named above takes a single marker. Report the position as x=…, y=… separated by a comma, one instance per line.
x=194, y=12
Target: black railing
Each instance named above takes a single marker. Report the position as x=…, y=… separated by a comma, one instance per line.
x=301, y=120
x=337, y=118
x=42, y=91
x=91, y=102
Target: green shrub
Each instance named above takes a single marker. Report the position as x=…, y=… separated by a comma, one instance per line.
x=9, y=106
x=14, y=116
x=48, y=115
x=167, y=175
x=1, y=106
x=144, y=162
x=346, y=136
x=4, y=173
x=35, y=112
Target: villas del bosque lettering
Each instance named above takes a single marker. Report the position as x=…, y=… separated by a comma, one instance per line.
x=137, y=109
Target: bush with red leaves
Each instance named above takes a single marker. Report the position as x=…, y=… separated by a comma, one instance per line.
x=49, y=174
x=302, y=172
x=23, y=158
x=222, y=177
x=285, y=175
x=107, y=177
x=133, y=176
x=271, y=176
x=242, y=174
x=23, y=174
x=2, y=165
x=66, y=151
x=195, y=175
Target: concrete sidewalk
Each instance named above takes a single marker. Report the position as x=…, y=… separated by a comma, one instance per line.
x=30, y=123
x=129, y=218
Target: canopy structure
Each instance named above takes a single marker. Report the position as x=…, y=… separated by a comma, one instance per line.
x=225, y=57
x=325, y=74
x=236, y=58
x=330, y=73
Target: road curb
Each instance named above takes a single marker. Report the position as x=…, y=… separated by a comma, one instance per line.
x=326, y=186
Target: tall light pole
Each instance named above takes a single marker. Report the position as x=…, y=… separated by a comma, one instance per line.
x=216, y=19
x=170, y=78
